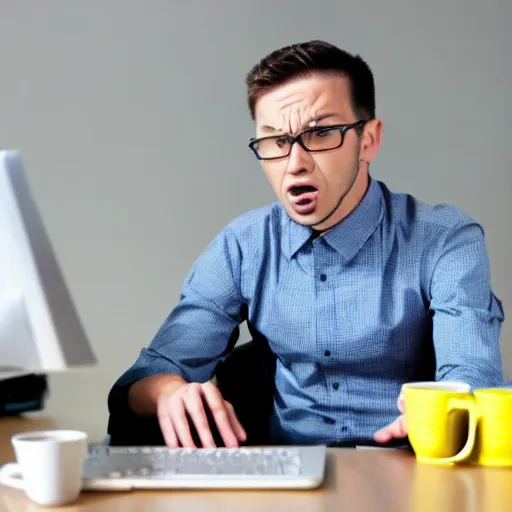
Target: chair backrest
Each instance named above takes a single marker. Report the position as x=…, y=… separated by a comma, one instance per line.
x=246, y=380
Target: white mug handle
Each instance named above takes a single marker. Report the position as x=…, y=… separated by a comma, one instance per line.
x=11, y=475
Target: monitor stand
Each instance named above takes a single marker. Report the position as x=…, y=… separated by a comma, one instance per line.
x=18, y=353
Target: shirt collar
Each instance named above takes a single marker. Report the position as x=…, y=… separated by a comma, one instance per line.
x=348, y=236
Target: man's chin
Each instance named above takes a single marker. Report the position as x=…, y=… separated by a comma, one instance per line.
x=317, y=219
x=304, y=219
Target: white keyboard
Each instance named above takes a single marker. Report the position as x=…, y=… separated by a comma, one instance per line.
x=289, y=467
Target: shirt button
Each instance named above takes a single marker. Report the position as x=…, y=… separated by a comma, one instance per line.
x=344, y=429
x=323, y=277
x=327, y=353
x=329, y=421
x=335, y=385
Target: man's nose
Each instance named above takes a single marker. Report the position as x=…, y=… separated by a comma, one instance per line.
x=299, y=160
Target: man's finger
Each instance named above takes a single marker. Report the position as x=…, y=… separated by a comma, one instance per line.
x=401, y=403
x=220, y=415
x=237, y=426
x=195, y=408
x=180, y=423
x=397, y=429
x=165, y=422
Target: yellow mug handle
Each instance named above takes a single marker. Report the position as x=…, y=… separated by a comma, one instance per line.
x=468, y=404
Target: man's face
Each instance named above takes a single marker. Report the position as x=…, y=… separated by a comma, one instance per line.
x=316, y=188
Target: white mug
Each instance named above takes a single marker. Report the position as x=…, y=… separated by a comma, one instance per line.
x=49, y=465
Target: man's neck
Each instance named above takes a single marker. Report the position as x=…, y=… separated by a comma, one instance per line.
x=320, y=232
x=346, y=210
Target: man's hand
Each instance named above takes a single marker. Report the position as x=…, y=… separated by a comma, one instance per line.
x=395, y=430
x=173, y=404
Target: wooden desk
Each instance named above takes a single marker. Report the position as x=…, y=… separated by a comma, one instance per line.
x=356, y=480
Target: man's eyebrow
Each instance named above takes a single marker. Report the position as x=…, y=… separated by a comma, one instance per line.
x=311, y=122
x=268, y=128
x=305, y=125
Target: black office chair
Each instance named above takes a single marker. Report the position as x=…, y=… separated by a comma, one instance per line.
x=245, y=378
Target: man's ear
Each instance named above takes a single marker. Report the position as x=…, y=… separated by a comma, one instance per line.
x=371, y=140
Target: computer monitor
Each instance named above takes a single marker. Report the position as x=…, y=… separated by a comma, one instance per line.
x=40, y=330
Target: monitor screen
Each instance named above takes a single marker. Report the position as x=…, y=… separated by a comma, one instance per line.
x=40, y=329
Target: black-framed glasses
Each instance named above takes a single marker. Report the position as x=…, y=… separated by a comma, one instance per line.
x=320, y=138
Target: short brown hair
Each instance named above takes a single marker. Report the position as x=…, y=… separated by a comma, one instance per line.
x=303, y=59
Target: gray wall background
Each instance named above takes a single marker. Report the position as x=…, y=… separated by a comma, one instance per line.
x=132, y=120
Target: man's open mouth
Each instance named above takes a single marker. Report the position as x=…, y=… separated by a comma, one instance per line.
x=303, y=194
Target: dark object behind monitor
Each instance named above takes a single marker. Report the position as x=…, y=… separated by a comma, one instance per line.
x=22, y=394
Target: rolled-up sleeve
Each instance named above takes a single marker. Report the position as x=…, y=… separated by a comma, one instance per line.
x=467, y=316
x=196, y=334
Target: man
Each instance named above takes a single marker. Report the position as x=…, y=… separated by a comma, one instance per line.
x=357, y=289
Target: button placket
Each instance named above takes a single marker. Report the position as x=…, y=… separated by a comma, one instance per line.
x=324, y=260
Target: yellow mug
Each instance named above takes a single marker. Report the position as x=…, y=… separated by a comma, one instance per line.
x=493, y=441
x=441, y=420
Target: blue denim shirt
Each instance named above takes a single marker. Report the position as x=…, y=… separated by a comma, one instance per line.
x=398, y=291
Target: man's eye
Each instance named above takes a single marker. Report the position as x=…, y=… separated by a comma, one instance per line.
x=327, y=132
x=281, y=142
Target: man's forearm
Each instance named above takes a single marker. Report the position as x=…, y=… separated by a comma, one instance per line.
x=143, y=394
x=485, y=374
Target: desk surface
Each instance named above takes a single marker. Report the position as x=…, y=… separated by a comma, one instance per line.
x=356, y=480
